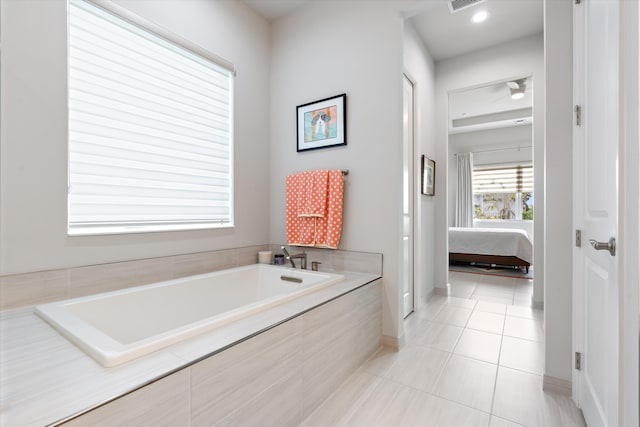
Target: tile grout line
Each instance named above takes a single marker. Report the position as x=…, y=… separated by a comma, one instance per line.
x=431, y=393
x=451, y=353
x=495, y=382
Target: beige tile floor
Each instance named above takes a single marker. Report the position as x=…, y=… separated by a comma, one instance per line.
x=472, y=359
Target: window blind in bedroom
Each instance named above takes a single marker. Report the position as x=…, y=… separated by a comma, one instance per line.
x=515, y=179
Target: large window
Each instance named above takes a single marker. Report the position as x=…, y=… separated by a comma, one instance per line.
x=150, y=129
x=503, y=193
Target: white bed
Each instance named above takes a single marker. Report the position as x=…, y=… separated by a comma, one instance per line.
x=500, y=246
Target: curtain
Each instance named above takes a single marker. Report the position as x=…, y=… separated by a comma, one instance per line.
x=464, y=193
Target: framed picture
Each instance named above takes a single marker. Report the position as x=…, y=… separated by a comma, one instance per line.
x=428, y=176
x=322, y=124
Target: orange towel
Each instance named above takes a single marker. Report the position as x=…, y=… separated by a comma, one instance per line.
x=312, y=197
x=324, y=228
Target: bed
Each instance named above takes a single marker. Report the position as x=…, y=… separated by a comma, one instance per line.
x=493, y=246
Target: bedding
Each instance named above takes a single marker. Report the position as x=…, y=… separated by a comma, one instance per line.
x=503, y=244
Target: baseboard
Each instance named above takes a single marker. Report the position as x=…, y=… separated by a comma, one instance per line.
x=537, y=304
x=556, y=385
x=427, y=297
x=443, y=291
x=394, y=342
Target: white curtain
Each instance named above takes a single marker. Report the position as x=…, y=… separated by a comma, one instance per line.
x=464, y=194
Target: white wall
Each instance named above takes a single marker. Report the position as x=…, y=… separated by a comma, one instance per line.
x=34, y=138
x=419, y=67
x=513, y=59
x=558, y=249
x=324, y=49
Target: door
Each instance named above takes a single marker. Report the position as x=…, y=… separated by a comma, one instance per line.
x=595, y=208
x=407, y=203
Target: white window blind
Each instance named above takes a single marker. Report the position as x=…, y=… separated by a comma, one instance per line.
x=150, y=130
x=515, y=179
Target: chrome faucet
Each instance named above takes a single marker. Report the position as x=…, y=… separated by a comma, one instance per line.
x=290, y=258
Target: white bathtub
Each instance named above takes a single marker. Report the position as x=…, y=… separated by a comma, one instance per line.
x=115, y=327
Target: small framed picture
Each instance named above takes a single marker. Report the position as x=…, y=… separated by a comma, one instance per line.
x=428, y=176
x=322, y=123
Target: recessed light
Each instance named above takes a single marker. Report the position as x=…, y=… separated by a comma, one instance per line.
x=480, y=17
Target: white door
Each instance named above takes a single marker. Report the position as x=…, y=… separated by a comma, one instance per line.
x=596, y=208
x=407, y=205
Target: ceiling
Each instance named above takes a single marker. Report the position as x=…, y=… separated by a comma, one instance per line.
x=449, y=34
x=274, y=9
x=444, y=33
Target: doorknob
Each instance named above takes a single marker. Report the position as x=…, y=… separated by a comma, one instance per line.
x=604, y=246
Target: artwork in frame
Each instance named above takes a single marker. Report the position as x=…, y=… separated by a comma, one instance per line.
x=322, y=123
x=428, y=176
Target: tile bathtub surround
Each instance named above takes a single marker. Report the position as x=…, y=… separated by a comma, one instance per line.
x=266, y=380
x=96, y=279
x=33, y=288
x=168, y=395
x=20, y=290
x=45, y=379
x=337, y=260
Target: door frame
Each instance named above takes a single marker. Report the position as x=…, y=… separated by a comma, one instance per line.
x=414, y=198
x=628, y=214
x=576, y=288
x=629, y=381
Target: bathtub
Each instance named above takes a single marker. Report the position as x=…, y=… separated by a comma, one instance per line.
x=115, y=327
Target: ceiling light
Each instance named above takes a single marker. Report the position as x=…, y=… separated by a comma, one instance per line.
x=479, y=17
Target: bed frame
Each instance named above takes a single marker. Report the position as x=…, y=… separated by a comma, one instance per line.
x=489, y=259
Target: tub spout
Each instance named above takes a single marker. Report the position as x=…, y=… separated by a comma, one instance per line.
x=302, y=256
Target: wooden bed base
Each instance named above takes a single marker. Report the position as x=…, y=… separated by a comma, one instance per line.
x=489, y=259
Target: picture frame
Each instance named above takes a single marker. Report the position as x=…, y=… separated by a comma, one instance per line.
x=428, y=176
x=322, y=124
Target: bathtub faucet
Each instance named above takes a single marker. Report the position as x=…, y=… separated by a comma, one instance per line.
x=290, y=258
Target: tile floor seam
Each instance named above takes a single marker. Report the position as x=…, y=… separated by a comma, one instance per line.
x=434, y=387
x=523, y=339
x=359, y=402
x=480, y=360
x=495, y=381
x=521, y=370
x=430, y=393
x=360, y=370
x=356, y=404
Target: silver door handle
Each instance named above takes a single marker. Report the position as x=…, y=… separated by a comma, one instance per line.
x=604, y=246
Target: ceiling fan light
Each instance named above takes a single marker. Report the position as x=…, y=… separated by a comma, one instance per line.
x=518, y=92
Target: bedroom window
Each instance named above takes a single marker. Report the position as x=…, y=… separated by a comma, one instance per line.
x=150, y=127
x=503, y=193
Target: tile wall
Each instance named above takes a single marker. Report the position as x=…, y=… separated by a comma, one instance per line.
x=20, y=290
x=337, y=260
